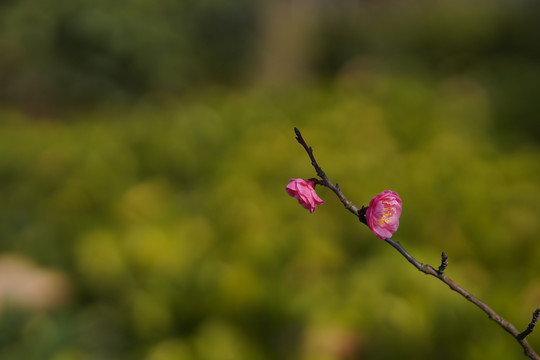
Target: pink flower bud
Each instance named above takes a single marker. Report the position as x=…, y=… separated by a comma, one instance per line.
x=383, y=214
x=304, y=191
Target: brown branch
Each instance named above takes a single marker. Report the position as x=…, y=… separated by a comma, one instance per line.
x=425, y=268
x=361, y=214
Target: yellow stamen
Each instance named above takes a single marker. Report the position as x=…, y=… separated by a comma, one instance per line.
x=388, y=210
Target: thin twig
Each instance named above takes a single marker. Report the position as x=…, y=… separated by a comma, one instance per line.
x=425, y=268
x=531, y=326
x=361, y=214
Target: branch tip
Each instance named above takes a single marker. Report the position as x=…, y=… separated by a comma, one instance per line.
x=299, y=136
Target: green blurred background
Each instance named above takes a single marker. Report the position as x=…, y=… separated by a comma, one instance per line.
x=145, y=147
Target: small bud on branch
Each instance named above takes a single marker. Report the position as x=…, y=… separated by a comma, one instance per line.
x=304, y=192
x=444, y=263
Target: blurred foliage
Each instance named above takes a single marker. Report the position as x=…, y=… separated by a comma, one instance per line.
x=65, y=54
x=154, y=177
x=86, y=52
x=181, y=243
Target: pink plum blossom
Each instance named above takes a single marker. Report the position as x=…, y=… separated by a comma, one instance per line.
x=383, y=214
x=304, y=191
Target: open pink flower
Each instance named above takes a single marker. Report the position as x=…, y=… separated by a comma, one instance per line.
x=304, y=191
x=383, y=214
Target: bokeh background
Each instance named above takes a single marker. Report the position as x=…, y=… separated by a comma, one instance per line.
x=145, y=147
